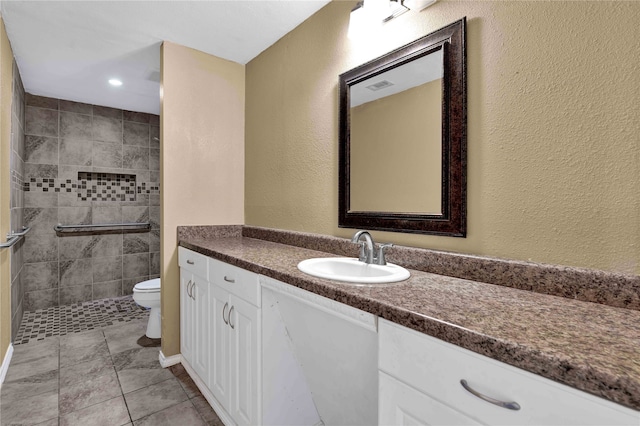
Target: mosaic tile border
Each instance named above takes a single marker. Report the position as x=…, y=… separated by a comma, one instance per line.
x=94, y=190
x=62, y=320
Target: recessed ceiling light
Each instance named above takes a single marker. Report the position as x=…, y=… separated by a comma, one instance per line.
x=115, y=82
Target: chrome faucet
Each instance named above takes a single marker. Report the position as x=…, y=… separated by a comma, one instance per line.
x=367, y=249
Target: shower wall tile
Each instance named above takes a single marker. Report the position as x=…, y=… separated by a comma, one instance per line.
x=41, y=149
x=17, y=156
x=107, y=246
x=41, y=220
x=43, y=299
x=41, y=101
x=107, y=269
x=103, y=111
x=41, y=122
x=77, y=107
x=154, y=217
x=40, y=199
x=40, y=276
x=63, y=143
x=107, y=155
x=136, y=134
x=135, y=243
x=135, y=265
x=134, y=157
x=40, y=248
x=107, y=289
x=76, y=294
x=131, y=214
x=154, y=137
x=74, y=215
x=48, y=171
x=154, y=159
x=129, y=283
x=76, y=247
x=154, y=263
x=75, y=272
x=75, y=126
x=106, y=213
x=76, y=152
x=107, y=129
x=139, y=117
x=154, y=240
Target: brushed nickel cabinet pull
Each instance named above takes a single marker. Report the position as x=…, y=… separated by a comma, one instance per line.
x=189, y=288
x=229, y=280
x=191, y=262
x=231, y=325
x=224, y=309
x=510, y=405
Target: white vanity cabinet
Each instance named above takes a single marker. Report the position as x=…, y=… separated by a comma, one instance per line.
x=194, y=309
x=234, y=375
x=420, y=383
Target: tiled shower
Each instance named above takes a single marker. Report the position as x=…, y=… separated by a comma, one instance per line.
x=86, y=164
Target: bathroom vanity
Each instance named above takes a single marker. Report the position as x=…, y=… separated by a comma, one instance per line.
x=268, y=344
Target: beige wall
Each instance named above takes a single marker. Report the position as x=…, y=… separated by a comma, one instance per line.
x=396, y=152
x=201, y=155
x=6, y=81
x=554, y=157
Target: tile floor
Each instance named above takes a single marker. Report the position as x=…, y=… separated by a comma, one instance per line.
x=99, y=377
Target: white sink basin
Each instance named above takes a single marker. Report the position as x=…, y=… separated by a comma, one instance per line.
x=352, y=270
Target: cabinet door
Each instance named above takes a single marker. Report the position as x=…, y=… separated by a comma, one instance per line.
x=218, y=381
x=403, y=405
x=186, y=315
x=244, y=323
x=201, y=325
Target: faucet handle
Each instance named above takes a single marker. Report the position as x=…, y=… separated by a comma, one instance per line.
x=380, y=260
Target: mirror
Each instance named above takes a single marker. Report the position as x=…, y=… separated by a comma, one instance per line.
x=403, y=138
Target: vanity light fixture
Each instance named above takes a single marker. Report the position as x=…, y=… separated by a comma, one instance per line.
x=369, y=14
x=115, y=82
x=418, y=5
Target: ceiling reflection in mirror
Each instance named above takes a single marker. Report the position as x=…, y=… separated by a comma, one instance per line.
x=396, y=139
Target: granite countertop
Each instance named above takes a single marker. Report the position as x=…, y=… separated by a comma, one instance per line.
x=588, y=346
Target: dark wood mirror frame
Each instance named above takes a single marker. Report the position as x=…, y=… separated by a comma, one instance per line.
x=452, y=220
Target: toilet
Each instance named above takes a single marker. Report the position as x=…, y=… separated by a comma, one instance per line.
x=147, y=295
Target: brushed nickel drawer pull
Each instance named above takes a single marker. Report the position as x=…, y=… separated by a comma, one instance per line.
x=191, y=262
x=231, y=325
x=229, y=280
x=224, y=309
x=504, y=404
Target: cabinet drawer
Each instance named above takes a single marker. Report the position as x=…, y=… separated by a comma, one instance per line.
x=436, y=368
x=236, y=281
x=193, y=262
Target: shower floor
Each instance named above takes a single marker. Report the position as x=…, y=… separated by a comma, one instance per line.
x=62, y=320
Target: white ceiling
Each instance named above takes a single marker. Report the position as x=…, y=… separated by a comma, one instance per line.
x=69, y=49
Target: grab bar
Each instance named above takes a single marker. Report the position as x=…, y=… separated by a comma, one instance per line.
x=14, y=237
x=64, y=228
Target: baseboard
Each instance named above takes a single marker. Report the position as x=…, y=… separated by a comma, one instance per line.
x=169, y=361
x=5, y=364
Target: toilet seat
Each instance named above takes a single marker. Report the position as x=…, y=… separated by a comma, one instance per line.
x=149, y=286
